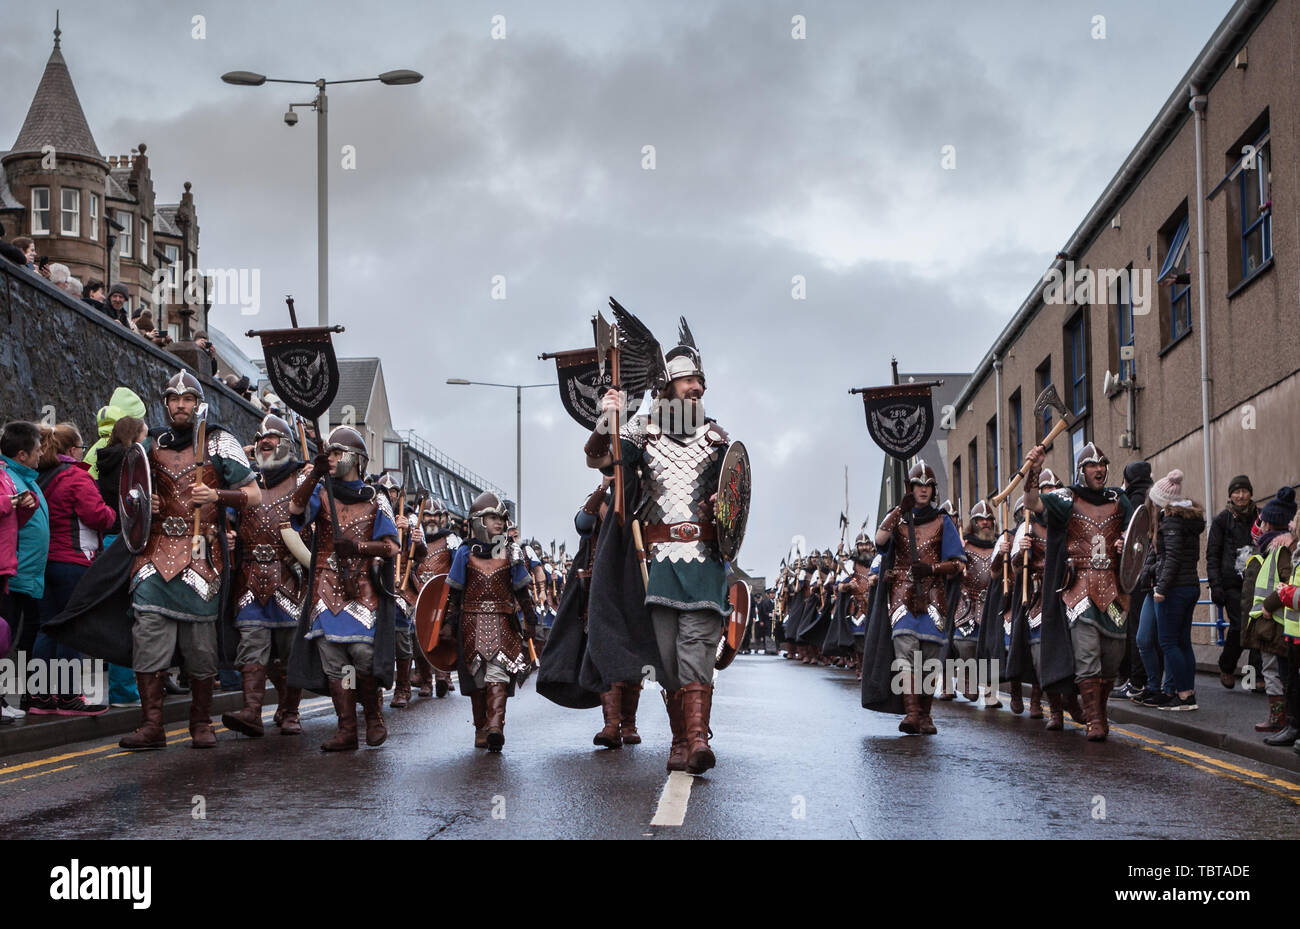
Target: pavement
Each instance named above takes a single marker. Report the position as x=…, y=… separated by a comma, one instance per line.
x=797, y=758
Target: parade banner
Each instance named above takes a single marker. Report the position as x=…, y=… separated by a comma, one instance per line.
x=900, y=417
x=302, y=368
x=581, y=384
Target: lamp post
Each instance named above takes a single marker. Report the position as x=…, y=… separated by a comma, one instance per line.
x=320, y=105
x=519, y=435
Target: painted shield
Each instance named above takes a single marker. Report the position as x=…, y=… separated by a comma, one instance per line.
x=731, y=512
x=134, y=488
x=1137, y=539
x=737, y=623
x=430, y=609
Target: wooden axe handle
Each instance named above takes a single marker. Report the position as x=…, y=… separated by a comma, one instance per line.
x=1061, y=426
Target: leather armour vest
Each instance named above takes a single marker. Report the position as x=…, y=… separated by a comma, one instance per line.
x=356, y=521
x=437, y=560
x=974, y=584
x=917, y=596
x=487, y=617
x=1090, y=538
x=267, y=568
x=171, y=531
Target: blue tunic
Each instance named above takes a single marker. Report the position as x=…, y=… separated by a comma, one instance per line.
x=924, y=626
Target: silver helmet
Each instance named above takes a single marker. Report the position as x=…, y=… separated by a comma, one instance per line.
x=1047, y=480
x=181, y=383
x=684, y=359
x=1018, y=511
x=923, y=474
x=347, y=440
x=947, y=507
x=485, y=504
x=1089, y=454
x=981, y=510
x=273, y=425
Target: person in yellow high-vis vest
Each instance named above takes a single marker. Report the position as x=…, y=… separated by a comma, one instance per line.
x=1270, y=620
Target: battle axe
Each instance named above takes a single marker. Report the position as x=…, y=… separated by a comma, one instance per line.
x=1049, y=399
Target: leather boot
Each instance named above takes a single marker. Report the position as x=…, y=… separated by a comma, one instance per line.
x=627, y=714
x=496, y=716
x=911, y=723
x=249, y=720
x=402, y=685
x=150, y=734
x=276, y=674
x=372, y=700
x=478, y=699
x=441, y=684
x=345, y=706
x=611, y=705
x=678, y=754
x=1092, y=708
x=201, y=734
x=1103, y=699
x=1035, y=702
x=1017, y=697
x=1276, y=716
x=1056, y=709
x=289, y=722
x=1074, y=708
x=422, y=676
x=927, y=723
x=697, y=701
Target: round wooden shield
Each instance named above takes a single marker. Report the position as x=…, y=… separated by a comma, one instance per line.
x=734, y=635
x=731, y=511
x=1137, y=539
x=430, y=609
x=134, y=488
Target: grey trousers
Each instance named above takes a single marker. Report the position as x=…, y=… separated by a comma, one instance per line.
x=337, y=657
x=256, y=643
x=489, y=672
x=688, y=645
x=1095, y=655
x=906, y=646
x=1035, y=652
x=154, y=638
x=404, y=644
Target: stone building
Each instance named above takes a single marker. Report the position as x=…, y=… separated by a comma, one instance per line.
x=1198, y=336
x=99, y=215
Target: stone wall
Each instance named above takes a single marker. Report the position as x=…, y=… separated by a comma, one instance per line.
x=59, y=352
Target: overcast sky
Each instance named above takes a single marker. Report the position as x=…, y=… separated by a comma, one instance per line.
x=523, y=157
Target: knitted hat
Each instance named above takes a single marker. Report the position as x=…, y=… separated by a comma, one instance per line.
x=1240, y=482
x=1168, y=489
x=119, y=288
x=1281, y=509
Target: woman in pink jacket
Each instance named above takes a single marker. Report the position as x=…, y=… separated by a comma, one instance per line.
x=79, y=517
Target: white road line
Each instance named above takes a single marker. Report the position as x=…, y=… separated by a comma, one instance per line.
x=672, y=802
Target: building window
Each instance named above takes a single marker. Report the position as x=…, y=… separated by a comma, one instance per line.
x=1042, y=381
x=124, y=238
x=991, y=447
x=1017, y=434
x=70, y=212
x=173, y=268
x=1124, y=326
x=94, y=217
x=1256, y=211
x=144, y=240
x=956, y=483
x=1076, y=364
x=40, y=211
x=1077, y=441
x=972, y=457
x=1176, y=280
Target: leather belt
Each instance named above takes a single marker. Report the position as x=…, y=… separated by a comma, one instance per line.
x=1093, y=564
x=658, y=533
x=175, y=526
x=489, y=606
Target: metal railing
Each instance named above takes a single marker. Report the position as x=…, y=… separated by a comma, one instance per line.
x=450, y=464
x=1220, y=624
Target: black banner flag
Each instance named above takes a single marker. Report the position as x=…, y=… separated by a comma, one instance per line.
x=900, y=417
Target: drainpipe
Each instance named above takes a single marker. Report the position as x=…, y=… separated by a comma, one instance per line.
x=997, y=394
x=1197, y=106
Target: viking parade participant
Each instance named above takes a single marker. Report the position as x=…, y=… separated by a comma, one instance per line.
x=350, y=616
x=1083, y=639
x=981, y=534
x=269, y=591
x=812, y=632
x=912, y=617
x=862, y=585
x=412, y=545
x=490, y=587
x=440, y=543
x=678, y=453
x=796, y=606
x=839, y=644
x=198, y=471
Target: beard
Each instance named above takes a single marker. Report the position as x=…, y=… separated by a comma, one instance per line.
x=987, y=534
x=678, y=416
x=267, y=460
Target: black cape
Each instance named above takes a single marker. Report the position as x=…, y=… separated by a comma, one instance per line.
x=305, y=669
x=816, y=620
x=794, y=616
x=1020, y=660
x=839, y=637
x=878, y=646
x=992, y=644
x=561, y=662
x=1056, y=650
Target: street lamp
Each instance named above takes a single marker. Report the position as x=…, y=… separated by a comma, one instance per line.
x=519, y=435
x=253, y=79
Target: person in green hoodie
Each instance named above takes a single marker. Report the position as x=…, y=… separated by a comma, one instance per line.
x=124, y=402
x=20, y=447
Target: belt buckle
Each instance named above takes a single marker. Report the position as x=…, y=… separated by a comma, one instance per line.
x=264, y=553
x=1100, y=564
x=684, y=532
x=332, y=561
x=175, y=526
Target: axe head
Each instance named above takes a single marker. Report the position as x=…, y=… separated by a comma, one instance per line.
x=604, y=340
x=1049, y=399
x=200, y=428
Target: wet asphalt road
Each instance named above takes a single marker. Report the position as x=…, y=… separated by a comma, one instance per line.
x=798, y=758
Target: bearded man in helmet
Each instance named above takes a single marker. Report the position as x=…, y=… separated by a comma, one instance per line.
x=677, y=451
x=176, y=580
x=270, y=584
x=354, y=540
x=1083, y=640
x=490, y=587
x=980, y=538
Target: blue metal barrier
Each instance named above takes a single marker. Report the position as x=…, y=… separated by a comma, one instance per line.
x=1220, y=624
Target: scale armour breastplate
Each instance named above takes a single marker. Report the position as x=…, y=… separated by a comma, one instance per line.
x=171, y=531
x=1090, y=538
x=266, y=569
x=679, y=475
x=917, y=596
x=356, y=521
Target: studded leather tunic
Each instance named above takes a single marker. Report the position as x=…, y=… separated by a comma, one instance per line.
x=1090, y=546
x=357, y=522
x=169, y=550
x=974, y=584
x=487, y=617
x=267, y=568
x=916, y=597
x=437, y=560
